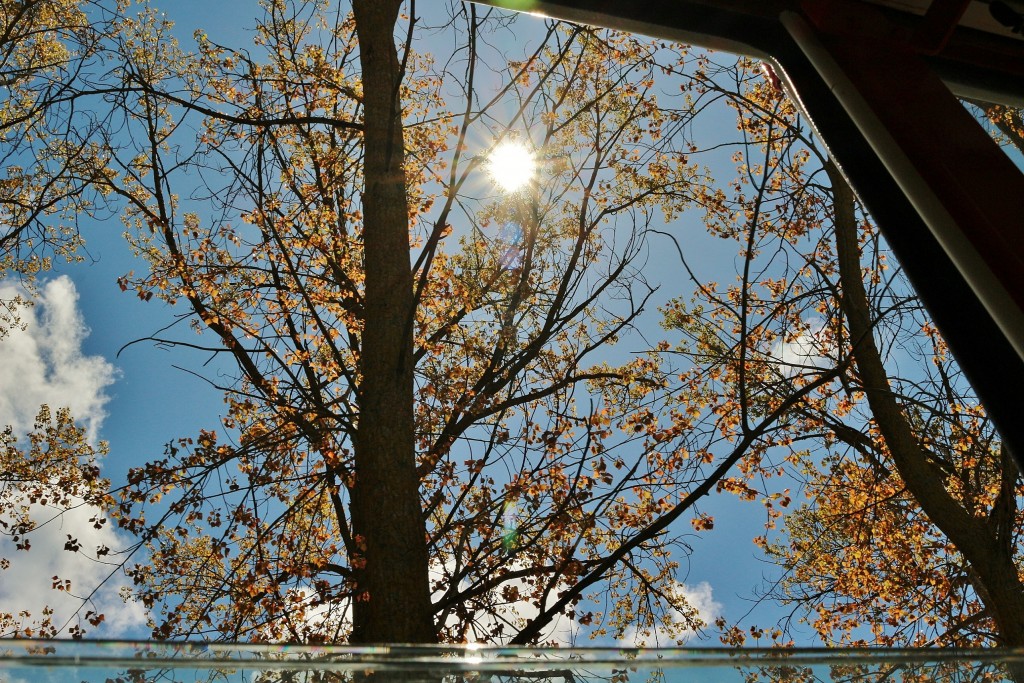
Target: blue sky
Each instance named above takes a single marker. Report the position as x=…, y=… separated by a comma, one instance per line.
x=138, y=400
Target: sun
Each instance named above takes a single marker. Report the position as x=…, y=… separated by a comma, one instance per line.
x=511, y=165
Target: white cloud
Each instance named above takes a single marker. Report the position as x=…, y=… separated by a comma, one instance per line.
x=516, y=613
x=27, y=584
x=699, y=597
x=44, y=363
x=303, y=617
x=809, y=349
x=562, y=630
x=335, y=618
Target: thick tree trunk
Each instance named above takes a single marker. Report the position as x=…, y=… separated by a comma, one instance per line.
x=393, y=595
x=977, y=538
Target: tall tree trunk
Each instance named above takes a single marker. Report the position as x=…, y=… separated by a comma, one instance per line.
x=393, y=599
x=977, y=538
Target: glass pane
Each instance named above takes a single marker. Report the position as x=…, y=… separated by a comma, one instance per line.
x=35, y=660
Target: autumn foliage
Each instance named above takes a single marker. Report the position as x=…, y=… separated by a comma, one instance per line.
x=423, y=392
x=253, y=531
x=909, y=529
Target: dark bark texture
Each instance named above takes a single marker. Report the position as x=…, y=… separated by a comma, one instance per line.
x=393, y=596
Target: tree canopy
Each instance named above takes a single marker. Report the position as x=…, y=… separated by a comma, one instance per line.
x=429, y=431
x=910, y=533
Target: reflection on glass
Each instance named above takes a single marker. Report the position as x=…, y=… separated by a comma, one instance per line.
x=138, y=662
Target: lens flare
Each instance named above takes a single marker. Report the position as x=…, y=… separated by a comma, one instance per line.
x=510, y=527
x=511, y=238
